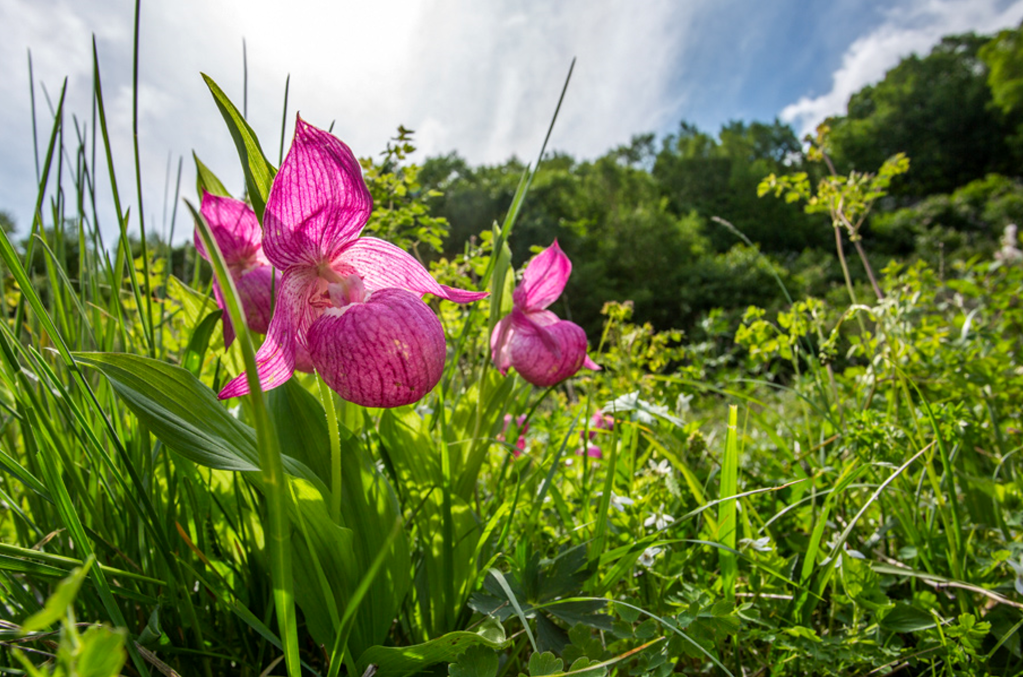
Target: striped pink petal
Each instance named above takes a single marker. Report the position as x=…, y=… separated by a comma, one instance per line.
x=500, y=348
x=546, y=355
x=275, y=359
x=381, y=265
x=386, y=352
x=544, y=279
x=234, y=226
x=318, y=201
x=255, y=288
x=228, y=327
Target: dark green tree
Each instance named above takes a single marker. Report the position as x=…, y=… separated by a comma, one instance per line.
x=937, y=109
x=719, y=177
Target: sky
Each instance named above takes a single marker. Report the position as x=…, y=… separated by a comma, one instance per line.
x=481, y=79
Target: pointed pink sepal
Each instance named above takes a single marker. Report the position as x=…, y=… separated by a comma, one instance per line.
x=275, y=359
x=318, y=201
x=383, y=265
x=234, y=226
x=544, y=279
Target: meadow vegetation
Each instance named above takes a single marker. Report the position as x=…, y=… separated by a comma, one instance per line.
x=800, y=454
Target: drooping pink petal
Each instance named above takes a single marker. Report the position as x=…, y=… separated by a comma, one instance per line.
x=318, y=201
x=547, y=355
x=303, y=362
x=386, y=352
x=602, y=421
x=225, y=318
x=383, y=265
x=275, y=359
x=500, y=350
x=544, y=279
x=590, y=364
x=255, y=289
x=234, y=226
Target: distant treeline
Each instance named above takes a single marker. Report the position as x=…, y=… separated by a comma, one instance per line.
x=638, y=221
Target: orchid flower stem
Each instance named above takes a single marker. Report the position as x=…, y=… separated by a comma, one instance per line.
x=327, y=398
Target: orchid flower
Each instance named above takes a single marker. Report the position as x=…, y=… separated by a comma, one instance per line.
x=544, y=350
x=237, y=233
x=351, y=306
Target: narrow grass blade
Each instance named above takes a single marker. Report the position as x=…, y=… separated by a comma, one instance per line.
x=727, y=523
x=275, y=486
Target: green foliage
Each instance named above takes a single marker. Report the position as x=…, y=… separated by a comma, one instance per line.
x=400, y=213
x=718, y=177
x=936, y=109
x=96, y=652
x=830, y=488
x=960, y=225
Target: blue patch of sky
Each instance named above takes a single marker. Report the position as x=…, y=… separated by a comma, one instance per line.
x=750, y=60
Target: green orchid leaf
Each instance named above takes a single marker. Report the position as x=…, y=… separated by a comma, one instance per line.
x=179, y=410
x=259, y=173
x=206, y=180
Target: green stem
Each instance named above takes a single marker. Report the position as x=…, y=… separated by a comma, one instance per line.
x=327, y=398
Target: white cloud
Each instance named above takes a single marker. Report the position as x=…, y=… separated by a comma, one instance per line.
x=482, y=79
x=913, y=29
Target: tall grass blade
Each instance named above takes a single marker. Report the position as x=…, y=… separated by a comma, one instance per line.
x=727, y=523
x=277, y=492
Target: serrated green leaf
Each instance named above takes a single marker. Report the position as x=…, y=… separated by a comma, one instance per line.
x=629, y=614
x=545, y=663
x=477, y=661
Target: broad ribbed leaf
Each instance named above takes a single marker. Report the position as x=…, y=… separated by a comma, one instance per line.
x=259, y=173
x=369, y=509
x=179, y=410
x=195, y=353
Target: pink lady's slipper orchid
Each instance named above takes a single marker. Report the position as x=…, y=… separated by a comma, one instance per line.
x=543, y=349
x=349, y=305
x=237, y=232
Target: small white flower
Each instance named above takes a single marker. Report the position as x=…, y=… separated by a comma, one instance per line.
x=662, y=468
x=1018, y=569
x=618, y=502
x=758, y=544
x=658, y=520
x=647, y=558
x=682, y=404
